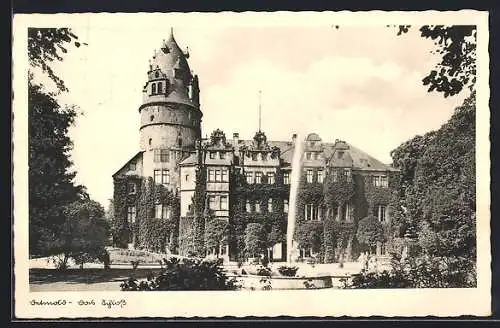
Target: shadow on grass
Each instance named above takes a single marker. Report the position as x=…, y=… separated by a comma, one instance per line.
x=86, y=276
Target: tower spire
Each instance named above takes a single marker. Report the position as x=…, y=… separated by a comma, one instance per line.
x=260, y=109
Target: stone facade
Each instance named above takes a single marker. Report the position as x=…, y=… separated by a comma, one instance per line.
x=237, y=181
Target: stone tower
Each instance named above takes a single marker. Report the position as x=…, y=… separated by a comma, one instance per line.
x=170, y=113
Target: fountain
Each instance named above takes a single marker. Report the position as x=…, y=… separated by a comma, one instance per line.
x=294, y=184
x=270, y=278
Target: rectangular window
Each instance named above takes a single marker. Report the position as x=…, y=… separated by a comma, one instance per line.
x=285, y=206
x=211, y=175
x=263, y=156
x=286, y=178
x=248, y=207
x=308, y=155
x=186, y=177
x=381, y=212
x=161, y=155
x=346, y=212
x=212, y=203
x=315, y=155
x=347, y=174
x=383, y=248
x=225, y=175
x=131, y=214
x=153, y=88
x=165, y=176
x=308, y=212
x=254, y=156
x=320, y=176
x=158, y=211
x=223, y=203
x=270, y=178
x=132, y=167
x=309, y=176
x=270, y=205
x=217, y=176
x=157, y=176
x=383, y=181
x=257, y=206
x=160, y=87
x=332, y=213
x=305, y=252
x=165, y=156
x=258, y=177
x=249, y=177
x=165, y=213
x=335, y=176
x=212, y=155
x=314, y=214
x=222, y=155
x=376, y=181
x=131, y=188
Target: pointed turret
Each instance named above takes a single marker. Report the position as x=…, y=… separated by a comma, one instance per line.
x=169, y=68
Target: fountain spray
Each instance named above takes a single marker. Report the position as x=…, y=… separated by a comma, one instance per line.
x=294, y=185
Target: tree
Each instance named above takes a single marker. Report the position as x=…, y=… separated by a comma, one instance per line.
x=48, y=44
x=438, y=194
x=216, y=234
x=370, y=232
x=331, y=229
x=83, y=234
x=255, y=239
x=457, y=46
x=51, y=185
x=309, y=236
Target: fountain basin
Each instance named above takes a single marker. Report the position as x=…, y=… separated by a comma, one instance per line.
x=283, y=283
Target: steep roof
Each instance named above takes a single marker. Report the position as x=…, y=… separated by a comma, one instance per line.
x=353, y=156
x=286, y=147
x=136, y=156
x=190, y=160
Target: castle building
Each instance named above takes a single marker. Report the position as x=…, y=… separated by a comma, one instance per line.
x=188, y=195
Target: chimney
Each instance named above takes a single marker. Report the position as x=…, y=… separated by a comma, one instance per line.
x=236, y=139
x=294, y=138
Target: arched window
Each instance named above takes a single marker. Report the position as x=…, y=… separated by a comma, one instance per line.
x=160, y=87
x=150, y=141
x=153, y=88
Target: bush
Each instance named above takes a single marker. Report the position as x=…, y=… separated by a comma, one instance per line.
x=185, y=274
x=288, y=271
x=370, y=231
x=255, y=239
x=420, y=272
x=263, y=271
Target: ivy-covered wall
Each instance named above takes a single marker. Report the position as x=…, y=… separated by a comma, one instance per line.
x=192, y=227
x=274, y=223
x=121, y=231
x=148, y=233
x=333, y=239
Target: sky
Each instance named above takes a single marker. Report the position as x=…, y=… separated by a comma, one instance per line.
x=361, y=84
